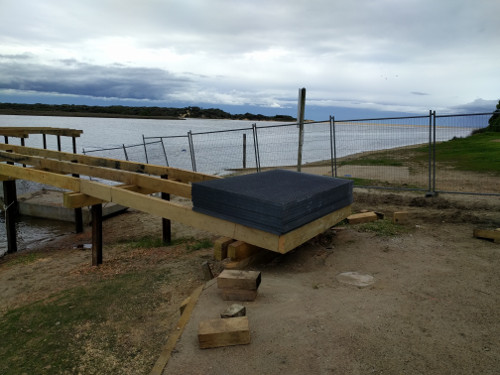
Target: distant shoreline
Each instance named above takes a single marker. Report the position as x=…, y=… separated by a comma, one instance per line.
x=152, y=113
x=83, y=114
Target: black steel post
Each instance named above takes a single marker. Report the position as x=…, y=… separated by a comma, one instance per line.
x=96, y=234
x=166, y=223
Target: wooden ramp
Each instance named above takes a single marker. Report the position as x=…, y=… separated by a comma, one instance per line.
x=131, y=184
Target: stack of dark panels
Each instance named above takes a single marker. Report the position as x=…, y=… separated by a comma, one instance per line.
x=276, y=201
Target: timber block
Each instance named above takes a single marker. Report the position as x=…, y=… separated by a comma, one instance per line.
x=364, y=217
x=223, y=332
x=234, y=311
x=400, y=217
x=240, y=250
x=220, y=247
x=237, y=279
x=493, y=235
x=241, y=295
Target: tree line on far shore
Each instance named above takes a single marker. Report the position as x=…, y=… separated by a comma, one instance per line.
x=75, y=110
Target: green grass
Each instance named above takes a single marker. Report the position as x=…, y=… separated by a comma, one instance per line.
x=25, y=259
x=200, y=244
x=374, y=160
x=41, y=338
x=479, y=153
x=383, y=228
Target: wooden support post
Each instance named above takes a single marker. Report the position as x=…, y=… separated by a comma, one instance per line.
x=96, y=234
x=10, y=201
x=165, y=223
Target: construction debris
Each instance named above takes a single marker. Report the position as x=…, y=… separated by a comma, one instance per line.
x=234, y=311
x=488, y=234
x=363, y=217
x=223, y=332
x=237, y=285
x=400, y=217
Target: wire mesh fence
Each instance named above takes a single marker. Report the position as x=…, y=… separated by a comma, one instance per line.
x=404, y=153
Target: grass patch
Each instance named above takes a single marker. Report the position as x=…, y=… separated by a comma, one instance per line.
x=200, y=244
x=383, y=228
x=478, y=153
x=374, y=160
x=152, y=241
x=24, y=259
x=77, y=330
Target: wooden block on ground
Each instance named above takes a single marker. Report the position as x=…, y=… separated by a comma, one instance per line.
x=241, y=295
x=400, y=217
x=487, y=234
x=237, y=279
x=220, y=247
x=234, y=311
x=364, y=217
x=223, y=332
x=239, y=250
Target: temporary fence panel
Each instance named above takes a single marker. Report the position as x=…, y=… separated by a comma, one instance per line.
x=460, y=166
x=278, y=145
x=224, y=152
x=390, y=152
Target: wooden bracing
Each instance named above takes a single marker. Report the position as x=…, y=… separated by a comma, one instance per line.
x=132, y=185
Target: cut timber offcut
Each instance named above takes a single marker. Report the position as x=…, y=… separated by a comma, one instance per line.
x=488, y=234
x=223, y=332
x=364, y=217
x=236, y=279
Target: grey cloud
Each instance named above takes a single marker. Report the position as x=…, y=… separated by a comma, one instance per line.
x=76, y=78
x=477, y=106
x=419, y=93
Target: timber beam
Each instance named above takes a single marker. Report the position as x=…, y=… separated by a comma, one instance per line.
x=156, y=170
x=155, y=184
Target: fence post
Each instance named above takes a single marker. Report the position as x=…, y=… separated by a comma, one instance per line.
x=434, y=154
x=256, y=147
x=430, y=192
x=244, y=151
x=191, y=150
x=164, y=151
x=145, y=149
x=300, y=120
x=125, y=151
x=333, y=146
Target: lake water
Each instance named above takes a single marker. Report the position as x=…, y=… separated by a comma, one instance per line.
x=218, y=144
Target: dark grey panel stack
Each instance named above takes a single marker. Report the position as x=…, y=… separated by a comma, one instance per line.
x=276, y=201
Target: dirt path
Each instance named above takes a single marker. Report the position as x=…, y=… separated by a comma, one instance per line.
x=434, y=308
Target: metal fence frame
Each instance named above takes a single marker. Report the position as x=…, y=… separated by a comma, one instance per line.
x=257, y=139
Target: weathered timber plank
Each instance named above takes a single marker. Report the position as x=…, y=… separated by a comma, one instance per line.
x=234, y=279
x=223, y=332
x=153, y=183
x=48, y=178
x=173, y=173
x=78, y=200
x=40, y=130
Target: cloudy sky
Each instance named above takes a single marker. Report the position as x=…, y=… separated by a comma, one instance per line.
x=357, y=55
